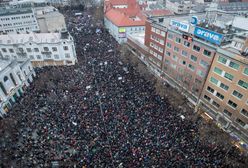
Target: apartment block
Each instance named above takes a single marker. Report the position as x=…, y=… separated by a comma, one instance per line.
x=226, y=89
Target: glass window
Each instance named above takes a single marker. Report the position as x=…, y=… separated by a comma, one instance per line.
x=229, y=76
x=219, y=95
x=243, y=84
x=223, y=86
x=46, y=49
x=4, y=50
x=36, y=50
x=196, y=48
x=244, y=112
x=229, y=114
x=200, y=73
x=207, y=98
x=184, y=53
x=66, y=48
x=206, y=52
x=234, y=65
x=29, y=50
x=67, y=55
x=168, y=45
x=193, y=58
x=167, y=53
x=215, y=104
x=232, y=104
x=217, y=70
x=246, y=71
x=178, y=40
x=210, y=89
x=170, y=36
x=54, y=49
x=176, y=49
x=237, y=94
x=213, y=80
x=11, y=50
x=240, y=122
x=204, y=64
x=191, y=67
x=174, y=57
x=186, y=43
x=222, y=60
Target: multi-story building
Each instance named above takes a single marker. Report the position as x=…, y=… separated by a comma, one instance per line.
x=42, y=48
x=226, y=89
x=179, y=6
x=59, y=2
x=182, y=52
x=123, y=18
x=29, y=16
x=18, y=21
x=15, y=75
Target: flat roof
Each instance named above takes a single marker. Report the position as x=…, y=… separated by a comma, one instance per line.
x=14, y=11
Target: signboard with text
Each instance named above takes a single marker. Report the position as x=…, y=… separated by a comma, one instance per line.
x=208, y=35
x=180, y=25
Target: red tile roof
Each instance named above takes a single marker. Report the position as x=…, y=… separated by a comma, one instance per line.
x=124, y=18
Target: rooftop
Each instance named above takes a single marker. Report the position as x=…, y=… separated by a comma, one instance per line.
x=14, y=11
x=31, y=37
x=4, y=64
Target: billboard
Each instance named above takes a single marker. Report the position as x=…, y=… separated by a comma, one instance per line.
x=208, y=35
x=180, y=25
x=122, y=30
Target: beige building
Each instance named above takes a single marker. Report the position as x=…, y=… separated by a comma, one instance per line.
x=225, y=92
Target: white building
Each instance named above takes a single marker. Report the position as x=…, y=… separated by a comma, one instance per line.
x=179, y=6
x=59, y=2
x=15, y=75
x=43, y=49
x=20, y=20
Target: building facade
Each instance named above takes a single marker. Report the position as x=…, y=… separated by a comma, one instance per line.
x=15, y=75
x=43, y=49
x=18, y=21
x=226, y=89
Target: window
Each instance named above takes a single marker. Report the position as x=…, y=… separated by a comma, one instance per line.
x=174, y=57
x=46, y=49
x=54, y=49
x=36, y=50
x=31, y=57
x=178, y=40
x=232, y=104
x=196, y=48
x=214, y=81
x=210, y=89
x=167, y=53
x=170, y=36
x=65, y=48
x=243, y=84
x=176, y=49
x=237, y=94
x=4, y=50
x=223, y=86
x=67, y=55
x=207, y=53
x=163, y=33
x=193, y=58
x=207, y=98
x=204, y=64
x=56, y=56
x=191, y=67
x=228, y=76
x=168, y=45
x=153, y=29
x=216, y=104
x=219, y=95
x=183, y=62
x=11, y=50
x=184, y=53
x=234, y=65
x=38, y=57
x=240, y=122
x=29, y=50
x=244, y=112
x=200, y=73
x=229, y=114
x=246, y=71
x=218, y=70
x=186, y=43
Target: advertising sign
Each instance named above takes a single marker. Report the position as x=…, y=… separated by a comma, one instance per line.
x=180, y=25
x=194, y=20
x=122, y=35
x=122, y=30
x=208, y=35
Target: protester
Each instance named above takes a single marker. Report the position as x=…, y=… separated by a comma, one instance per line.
x=100, y=113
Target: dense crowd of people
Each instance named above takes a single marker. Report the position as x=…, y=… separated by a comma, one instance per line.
x=101, y=113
